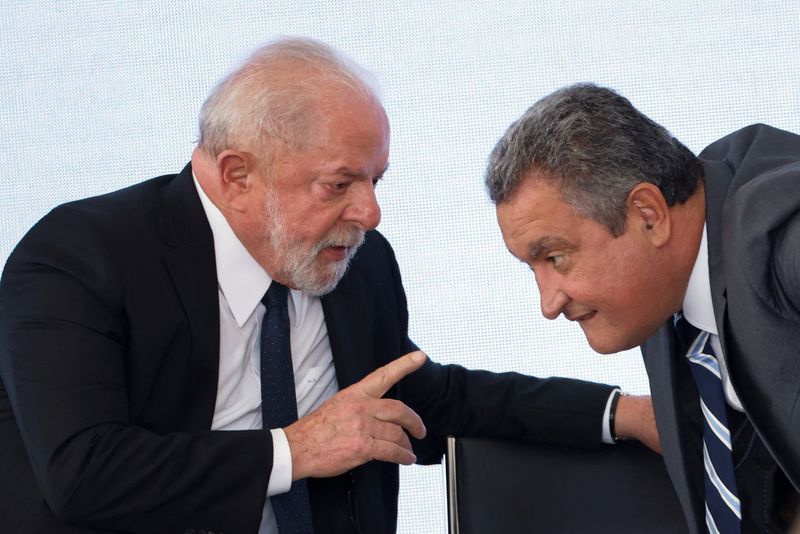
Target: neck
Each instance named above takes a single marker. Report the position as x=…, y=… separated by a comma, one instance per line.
x=688, y=220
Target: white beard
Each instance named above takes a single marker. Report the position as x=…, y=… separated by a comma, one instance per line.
x=302, y=268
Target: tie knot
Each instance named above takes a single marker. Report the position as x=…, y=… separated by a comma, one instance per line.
x=689, y=337
x=276, y=295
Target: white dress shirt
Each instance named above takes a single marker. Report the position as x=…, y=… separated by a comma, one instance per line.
x=241, y=285
x=698, y=309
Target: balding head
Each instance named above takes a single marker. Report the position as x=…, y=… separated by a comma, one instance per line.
x=279, y=92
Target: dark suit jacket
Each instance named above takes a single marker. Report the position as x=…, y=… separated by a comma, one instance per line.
x=752, y=182
x=109, y=351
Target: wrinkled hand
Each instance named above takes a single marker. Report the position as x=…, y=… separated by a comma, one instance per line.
x=635, y=420
x=356, y=425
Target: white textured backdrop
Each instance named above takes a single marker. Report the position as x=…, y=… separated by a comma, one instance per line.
x=97, y=95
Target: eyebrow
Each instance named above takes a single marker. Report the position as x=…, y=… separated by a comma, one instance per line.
x=541, y=245
x=350, y=173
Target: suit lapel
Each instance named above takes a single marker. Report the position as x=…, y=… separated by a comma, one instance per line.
x=348, y=330
x=718, y=179
x=192, y=268
x=661, y=363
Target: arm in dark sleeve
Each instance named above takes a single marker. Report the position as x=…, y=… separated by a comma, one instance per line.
x=63, y=343
x=456, y=401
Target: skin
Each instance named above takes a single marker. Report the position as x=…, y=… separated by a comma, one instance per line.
x=620, y=290
x=357, y=425
x=635, y=419
x=325, y=187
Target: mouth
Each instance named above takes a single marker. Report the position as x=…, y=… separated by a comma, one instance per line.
x=337, y=253
x=337, y=248
x=583, y=317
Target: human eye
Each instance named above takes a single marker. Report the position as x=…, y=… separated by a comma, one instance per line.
x=556, y=259
x=338, y=187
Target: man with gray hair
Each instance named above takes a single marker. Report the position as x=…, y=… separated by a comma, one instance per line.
x=695, y=259
x=204, y=352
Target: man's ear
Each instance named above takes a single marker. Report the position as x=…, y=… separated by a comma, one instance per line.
x=236, y=171
x=648, y=213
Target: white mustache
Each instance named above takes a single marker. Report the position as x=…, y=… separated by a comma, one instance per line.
x=352, y=238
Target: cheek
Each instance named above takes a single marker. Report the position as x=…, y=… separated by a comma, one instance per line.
x=598, y=284
x=630, y=307
x=304, y=223
x=619, y=296
x=319, y=225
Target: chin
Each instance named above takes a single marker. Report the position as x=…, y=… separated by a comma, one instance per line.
x=603, y=348
x=322, y=282
x=609, y=345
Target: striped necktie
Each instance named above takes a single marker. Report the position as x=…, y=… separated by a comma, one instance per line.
x=723, y=510
x=279, y=403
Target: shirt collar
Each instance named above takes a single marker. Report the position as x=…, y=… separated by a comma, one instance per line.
x=242, y=281
x=698, y=307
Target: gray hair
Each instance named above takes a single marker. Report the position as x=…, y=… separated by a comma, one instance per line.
x=597, y=147
x=274, y=92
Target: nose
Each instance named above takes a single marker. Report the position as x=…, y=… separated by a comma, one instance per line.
x=363, y=209
x=552, y=299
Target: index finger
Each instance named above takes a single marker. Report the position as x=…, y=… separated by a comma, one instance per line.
x=379, y=381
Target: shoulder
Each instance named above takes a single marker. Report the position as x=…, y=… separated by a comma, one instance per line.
x=129, y=210
x=85, y=239
x=761, y=216
x=753, y=142
x=135, y=202
x=765, y=168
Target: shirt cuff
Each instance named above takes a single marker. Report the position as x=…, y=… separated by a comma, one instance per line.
x=280, y=480
x=607, y=437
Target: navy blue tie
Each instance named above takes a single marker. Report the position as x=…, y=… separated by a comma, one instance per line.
x=723, y=509
x=279, y=404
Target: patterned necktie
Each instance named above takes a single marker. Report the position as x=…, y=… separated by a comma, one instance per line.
x=723, y=510
x=279, y=404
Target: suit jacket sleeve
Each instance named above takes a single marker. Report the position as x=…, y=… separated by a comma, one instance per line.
x=63, y=344
x=456, y=401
